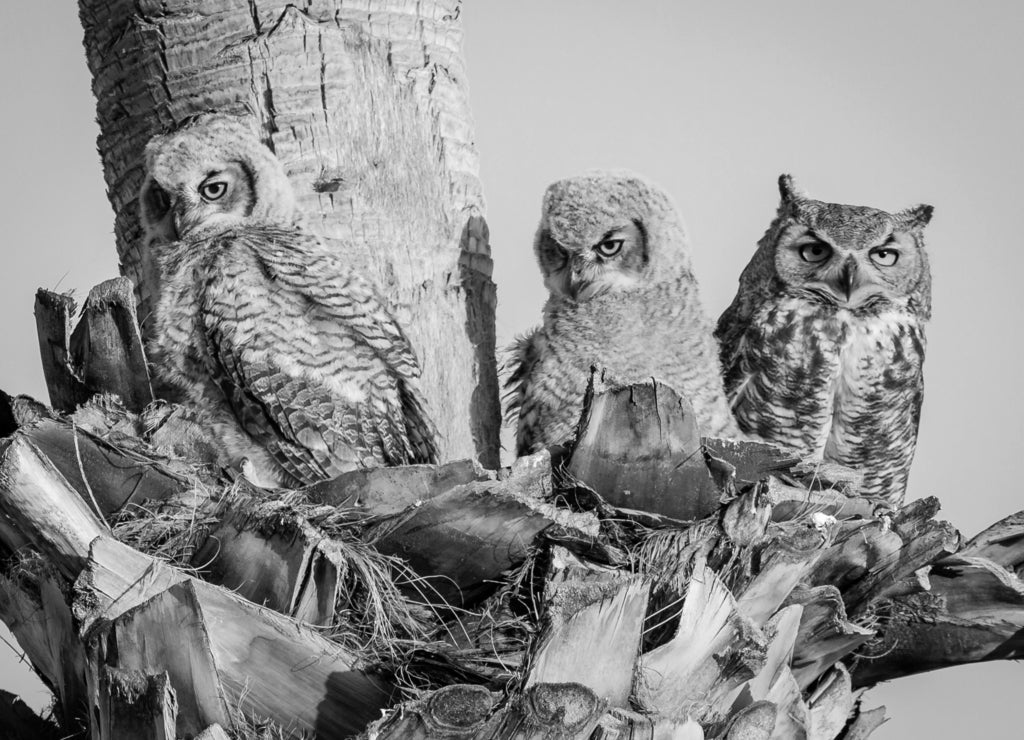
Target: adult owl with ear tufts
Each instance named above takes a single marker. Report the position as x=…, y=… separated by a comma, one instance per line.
x=824, y=343
x=614, y=255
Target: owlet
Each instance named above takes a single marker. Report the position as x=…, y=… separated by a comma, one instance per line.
x=823, y=344
x=295, y=358
x=614, y=256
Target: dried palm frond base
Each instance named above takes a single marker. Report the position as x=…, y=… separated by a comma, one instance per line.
x=158, y=598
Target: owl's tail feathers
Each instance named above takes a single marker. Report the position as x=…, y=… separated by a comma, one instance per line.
x=420, y=432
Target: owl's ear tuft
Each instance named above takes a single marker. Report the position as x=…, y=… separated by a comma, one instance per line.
x=793, y=198
x=789, y=191
x=914, y=218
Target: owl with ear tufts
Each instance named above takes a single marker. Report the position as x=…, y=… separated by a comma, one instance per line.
x=614, y=256
x=824, y=342
x=293, y=357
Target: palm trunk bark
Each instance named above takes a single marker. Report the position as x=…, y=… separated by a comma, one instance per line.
x=366, y=105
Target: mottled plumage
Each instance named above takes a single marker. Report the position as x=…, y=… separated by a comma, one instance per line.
x=294, y=358
x=824, y=342
x=613, y=253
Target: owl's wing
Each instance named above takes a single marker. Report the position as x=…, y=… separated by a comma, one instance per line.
x=334, y=382
x=353, y=302
x=756, y=285
x=520, y=359
x=731, y=327
x=291, y=418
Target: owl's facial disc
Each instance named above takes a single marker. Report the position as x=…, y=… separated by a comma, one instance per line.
x=216, y=198
x=613, y=263
x=850, y=275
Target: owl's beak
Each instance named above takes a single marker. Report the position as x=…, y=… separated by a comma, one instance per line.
x=848, y=279
x=575, y=279
x=581, y=279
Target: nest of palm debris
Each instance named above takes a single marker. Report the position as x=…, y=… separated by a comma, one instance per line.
x=726, y=585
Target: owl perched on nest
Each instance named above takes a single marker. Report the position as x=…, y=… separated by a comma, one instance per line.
x=296, y=359
x=614, y=256
x=823, y=345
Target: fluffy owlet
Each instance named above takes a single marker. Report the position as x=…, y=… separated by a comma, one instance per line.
x=296, y=359
x=823, y=345
x=614, y=256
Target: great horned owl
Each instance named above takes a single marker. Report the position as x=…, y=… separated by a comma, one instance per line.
x=823, y=345
x=296, y=359
x=613, y=253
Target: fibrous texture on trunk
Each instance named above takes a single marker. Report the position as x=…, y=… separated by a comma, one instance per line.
x=366, y=106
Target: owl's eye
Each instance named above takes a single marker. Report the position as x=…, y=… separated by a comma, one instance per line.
x=815, y=252
x=609, y=247
x=213, y=189
x=884, y=257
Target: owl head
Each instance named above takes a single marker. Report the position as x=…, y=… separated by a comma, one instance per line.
x=209, y=174
x=607, y=232
x=852, y=257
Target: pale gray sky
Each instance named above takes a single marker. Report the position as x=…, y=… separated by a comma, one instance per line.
x=871, y=103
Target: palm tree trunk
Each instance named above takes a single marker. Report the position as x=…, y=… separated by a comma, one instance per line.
x=367, y=108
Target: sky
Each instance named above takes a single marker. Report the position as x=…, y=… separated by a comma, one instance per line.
x=870, y=103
